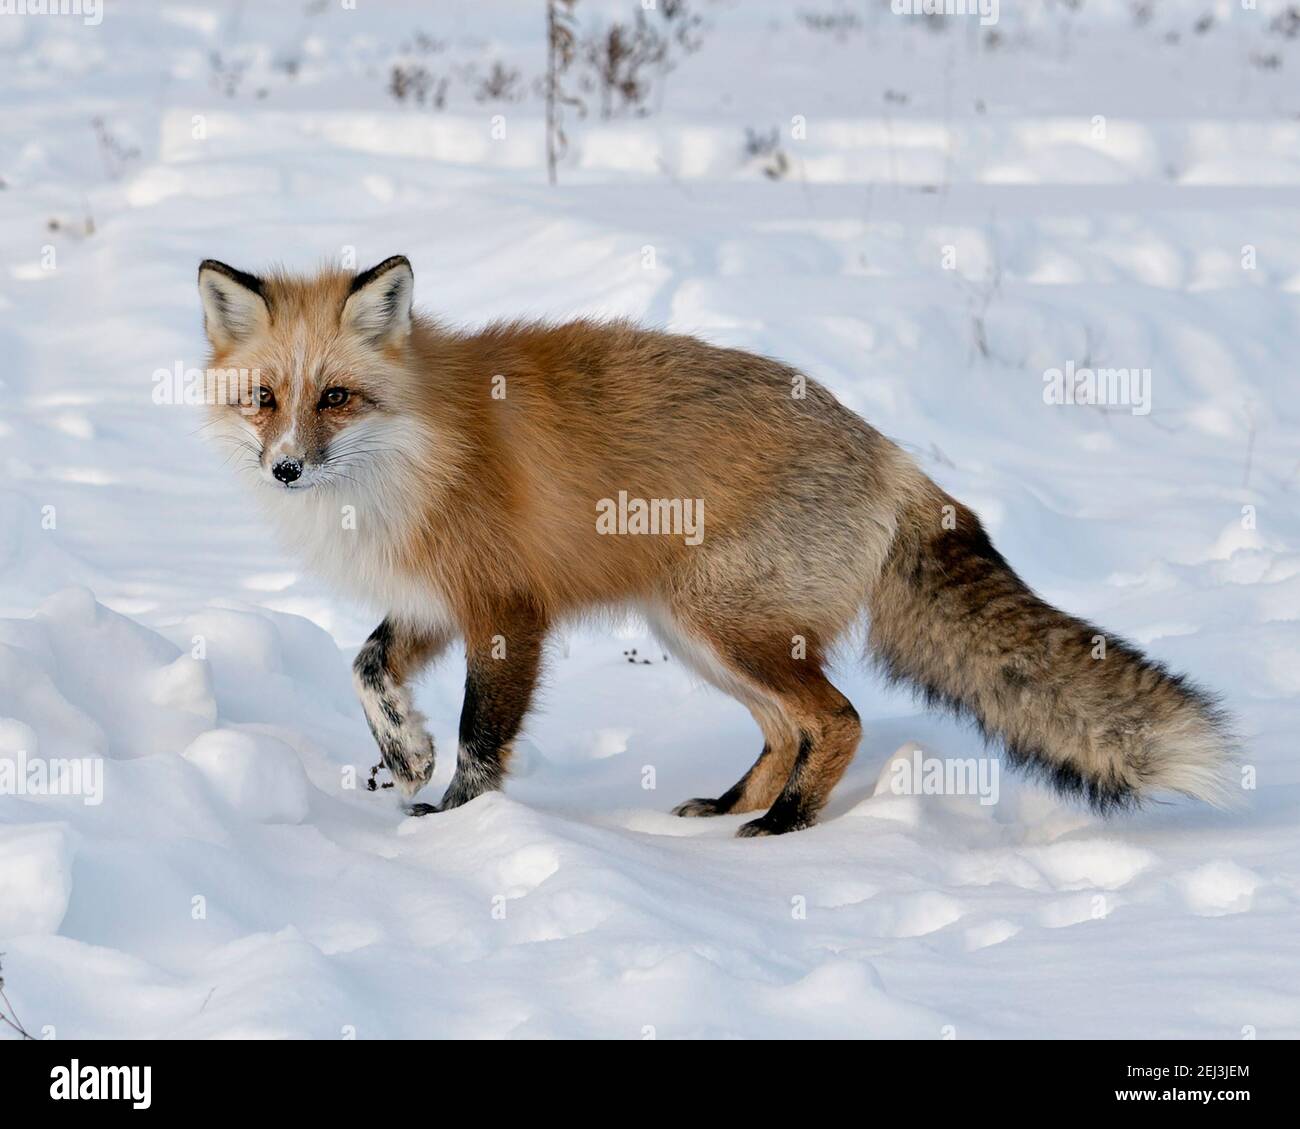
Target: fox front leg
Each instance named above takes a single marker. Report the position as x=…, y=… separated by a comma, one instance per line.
x=394, y=654
x=500, y=673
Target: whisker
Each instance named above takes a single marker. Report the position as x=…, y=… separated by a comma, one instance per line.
x=354, y=449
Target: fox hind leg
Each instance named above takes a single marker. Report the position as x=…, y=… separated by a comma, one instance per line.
x=760, y=786
x=829, y=735
x=811, y=729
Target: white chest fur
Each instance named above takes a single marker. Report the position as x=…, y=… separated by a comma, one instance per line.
x=351, y=539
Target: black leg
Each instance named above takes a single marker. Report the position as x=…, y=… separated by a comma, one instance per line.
x=501, y=671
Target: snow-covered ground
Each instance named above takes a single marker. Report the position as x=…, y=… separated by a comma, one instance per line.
x=958, y=215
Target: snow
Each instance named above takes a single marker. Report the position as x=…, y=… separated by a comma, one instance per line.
x=238, y=879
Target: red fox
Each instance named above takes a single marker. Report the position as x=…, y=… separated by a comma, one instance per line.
x=482, y=471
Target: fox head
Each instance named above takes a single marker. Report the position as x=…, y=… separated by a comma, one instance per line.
x=309, y=375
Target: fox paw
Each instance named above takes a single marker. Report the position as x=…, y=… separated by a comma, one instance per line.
x=410, y=761
x=422, y=809
x=700, y=807
x=766, y=825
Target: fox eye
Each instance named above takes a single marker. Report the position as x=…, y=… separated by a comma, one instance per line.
x=265, y=397
x=334, y=398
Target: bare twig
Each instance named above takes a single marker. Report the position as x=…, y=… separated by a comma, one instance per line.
x=561, y=50
x=8, y=1016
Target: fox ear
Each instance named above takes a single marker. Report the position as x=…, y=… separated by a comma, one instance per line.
x=379, y=302
x=234, y=303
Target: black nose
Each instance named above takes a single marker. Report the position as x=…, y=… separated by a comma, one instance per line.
x=287, y=470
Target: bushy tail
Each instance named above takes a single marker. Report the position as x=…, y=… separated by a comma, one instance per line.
x=1080, y=707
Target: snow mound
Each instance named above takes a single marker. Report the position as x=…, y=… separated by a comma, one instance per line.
x=255, y=774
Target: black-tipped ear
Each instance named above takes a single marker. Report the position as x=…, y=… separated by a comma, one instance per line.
x=379, y=302
x=234, y=303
